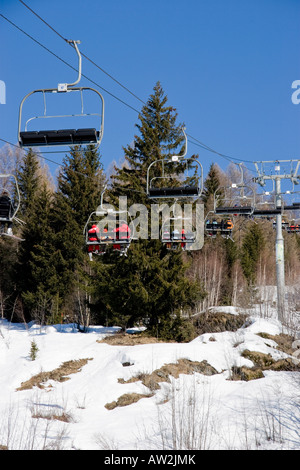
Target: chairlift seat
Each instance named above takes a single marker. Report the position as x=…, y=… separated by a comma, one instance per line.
x=266, y=212
x=293, y=207
x=59, y=137
x=179, y=191
x=32, y=138
x=234, y=210
x=86, y=136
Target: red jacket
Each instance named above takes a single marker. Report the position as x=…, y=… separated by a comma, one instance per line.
x=93, y=233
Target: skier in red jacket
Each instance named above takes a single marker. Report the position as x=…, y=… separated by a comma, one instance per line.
x=93, y=238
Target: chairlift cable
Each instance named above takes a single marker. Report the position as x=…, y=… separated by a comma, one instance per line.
x=66, y=63
x=39, y=154
x=202, y=145
x=197, y=142
x=83, y=55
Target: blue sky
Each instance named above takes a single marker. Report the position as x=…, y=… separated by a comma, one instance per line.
x=227, y=66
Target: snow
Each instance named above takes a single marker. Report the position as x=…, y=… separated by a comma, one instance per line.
x=225, y=414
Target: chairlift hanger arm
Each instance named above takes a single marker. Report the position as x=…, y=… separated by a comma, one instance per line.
x=175, y=158
x=74, y=43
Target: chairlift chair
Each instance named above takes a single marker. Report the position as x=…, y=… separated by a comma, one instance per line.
x=111, y=232
x=293, y=227
x=174, y=233
x=183, y=229
x=62, y=137
x=265, y=205
x=162, y=186
x=218, y=225
x=235, y=199
x=9, y=204
x=113, y=229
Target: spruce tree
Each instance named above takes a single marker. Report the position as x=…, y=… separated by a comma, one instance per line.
x=159, y=136
x=36, y=274
x=28, y=181
x=211, y=186
x=79, y=187
x=8, y=260
x=252, y=246
x=150, y=284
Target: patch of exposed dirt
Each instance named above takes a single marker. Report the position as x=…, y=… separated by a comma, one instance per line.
x=262, y=362
x=59, y=375
x=64, y=417
x=152, y=381
x=284, y=342
x=125, y=339
x=125, y=400
x=217, y=322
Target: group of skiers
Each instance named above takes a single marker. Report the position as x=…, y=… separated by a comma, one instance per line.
x=97, y=242
x=224, y=227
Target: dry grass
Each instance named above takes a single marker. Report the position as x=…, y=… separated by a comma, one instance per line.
x=59, y=375
x=182, y=366
x=64, y=417
x=216, y=322
x=125, y=339
x=126, y=399
x=261, y=362
x=284, y=342
x=152, y=381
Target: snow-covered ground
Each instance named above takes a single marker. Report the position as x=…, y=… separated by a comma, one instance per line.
x=191, y=412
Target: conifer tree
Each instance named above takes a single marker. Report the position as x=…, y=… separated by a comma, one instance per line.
x=253, y=244
x=36, y=274
x=28, y=176
x=8, y=260
x=150, y=283
x=79, y=186
x=159, y=137
x=211, y=185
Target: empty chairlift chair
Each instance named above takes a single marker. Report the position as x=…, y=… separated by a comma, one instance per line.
x=63, y=137
x=235, y=200
x=169, y=178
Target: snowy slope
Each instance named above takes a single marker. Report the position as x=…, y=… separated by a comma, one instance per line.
x=193, y=411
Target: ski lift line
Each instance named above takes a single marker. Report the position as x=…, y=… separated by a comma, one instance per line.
x=206, y=147
x=47, y=24
x=119, y=83
x=83, y=55
x=39, y=154
x=66, y=63
x=199, y=144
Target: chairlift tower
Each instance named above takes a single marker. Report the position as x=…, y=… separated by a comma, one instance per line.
x=277, y=178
